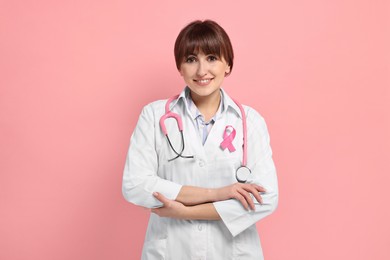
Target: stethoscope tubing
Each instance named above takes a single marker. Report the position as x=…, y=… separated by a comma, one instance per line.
x=244, y=147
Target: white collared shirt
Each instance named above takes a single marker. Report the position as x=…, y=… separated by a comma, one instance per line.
x=204, y=127
x=147, y=170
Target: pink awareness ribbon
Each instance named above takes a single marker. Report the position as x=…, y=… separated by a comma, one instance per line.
x=228, y=139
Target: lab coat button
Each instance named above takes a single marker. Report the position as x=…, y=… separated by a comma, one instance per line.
x=200, y=227
x=201, y=163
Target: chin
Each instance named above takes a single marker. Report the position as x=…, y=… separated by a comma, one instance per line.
x=204, y=92
x=203, y=89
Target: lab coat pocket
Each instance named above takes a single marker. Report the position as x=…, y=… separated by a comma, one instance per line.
x=223, y=171
x=154, y=249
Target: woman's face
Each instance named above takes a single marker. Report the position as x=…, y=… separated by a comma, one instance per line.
x=204, y=74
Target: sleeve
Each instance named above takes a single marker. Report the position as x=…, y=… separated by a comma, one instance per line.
x=140, y=177
x=260, y=161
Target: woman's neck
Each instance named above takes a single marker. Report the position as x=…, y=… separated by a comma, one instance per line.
x=208, y=105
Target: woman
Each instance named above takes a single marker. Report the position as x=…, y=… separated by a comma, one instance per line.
x=202, y=206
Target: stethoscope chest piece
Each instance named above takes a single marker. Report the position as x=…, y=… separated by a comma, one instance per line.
x=242, y=174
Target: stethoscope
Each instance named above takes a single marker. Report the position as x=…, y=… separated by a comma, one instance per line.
x=242, y=173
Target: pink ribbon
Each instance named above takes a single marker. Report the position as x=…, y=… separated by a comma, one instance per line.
x=228, y=139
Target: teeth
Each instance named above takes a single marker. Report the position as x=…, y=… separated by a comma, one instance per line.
x=204, y=80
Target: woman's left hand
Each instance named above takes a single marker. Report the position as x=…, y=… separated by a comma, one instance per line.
x=170, y=209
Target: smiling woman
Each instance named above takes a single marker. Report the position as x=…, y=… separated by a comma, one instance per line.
x=203, y=206
x=204, y=56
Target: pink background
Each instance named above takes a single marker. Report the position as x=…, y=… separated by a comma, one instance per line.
x=75, y=75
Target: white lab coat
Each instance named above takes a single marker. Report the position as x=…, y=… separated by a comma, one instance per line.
x=147, y=170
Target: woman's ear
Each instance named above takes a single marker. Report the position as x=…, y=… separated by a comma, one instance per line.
x=227, y=70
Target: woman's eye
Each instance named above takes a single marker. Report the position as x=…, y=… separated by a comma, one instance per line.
x=212, y=58
x=190, y=59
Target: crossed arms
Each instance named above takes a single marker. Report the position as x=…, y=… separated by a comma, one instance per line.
x=196, y=203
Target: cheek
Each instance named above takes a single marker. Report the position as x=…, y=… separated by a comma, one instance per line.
x=220, y=72
x=186, y=72
x=186, y=76
x=182, y=71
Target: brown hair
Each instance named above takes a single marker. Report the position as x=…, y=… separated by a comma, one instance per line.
x=208, y=37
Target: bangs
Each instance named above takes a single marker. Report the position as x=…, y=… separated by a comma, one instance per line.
x=205, y=41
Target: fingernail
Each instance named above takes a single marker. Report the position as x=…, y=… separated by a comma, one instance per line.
x=155, y=194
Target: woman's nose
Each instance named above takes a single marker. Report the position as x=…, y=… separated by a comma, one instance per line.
x=202, y=69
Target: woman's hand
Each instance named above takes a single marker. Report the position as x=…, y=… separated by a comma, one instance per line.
x=241, y=192
x=170, y=209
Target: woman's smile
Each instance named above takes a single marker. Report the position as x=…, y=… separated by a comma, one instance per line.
x=203, y=82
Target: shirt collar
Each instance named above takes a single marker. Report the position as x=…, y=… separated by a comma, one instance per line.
x=227, y=102
x=230, y=104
